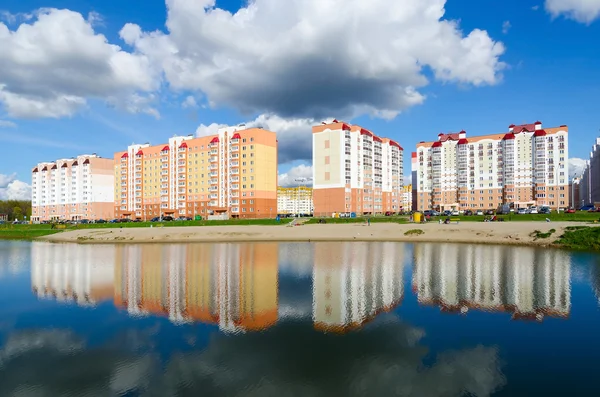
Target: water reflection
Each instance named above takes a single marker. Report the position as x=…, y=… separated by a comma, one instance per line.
x=528, y=283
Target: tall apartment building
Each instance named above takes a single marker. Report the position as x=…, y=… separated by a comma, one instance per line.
x=574, y=193
x=73, y=189
x=232, y=173
x=589, y=184
x=526, y=166
x=355, y=171
x=295, y=200
x=407, y=198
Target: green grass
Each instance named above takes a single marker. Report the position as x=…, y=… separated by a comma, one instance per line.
x=539, y=235
x=562, y=217
x=28, y=232
x=375, y=219
x=580, y=238
x=414, y=232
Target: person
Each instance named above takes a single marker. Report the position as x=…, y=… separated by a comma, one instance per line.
x=369, y=221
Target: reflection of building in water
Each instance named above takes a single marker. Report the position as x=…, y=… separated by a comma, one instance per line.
x=353, y=282
x=529, y=283
x=234, y=286
x=70, y=272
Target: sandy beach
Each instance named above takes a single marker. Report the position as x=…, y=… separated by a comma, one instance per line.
x=514, y=233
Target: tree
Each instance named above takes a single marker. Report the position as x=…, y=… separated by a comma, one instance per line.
x=17, y=213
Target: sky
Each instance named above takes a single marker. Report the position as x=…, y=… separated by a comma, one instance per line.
x=91, y=76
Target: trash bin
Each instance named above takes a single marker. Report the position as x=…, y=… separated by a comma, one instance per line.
x=417, y=217
x=197, y=218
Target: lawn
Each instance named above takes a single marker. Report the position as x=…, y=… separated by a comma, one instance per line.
x=28, y=232
x=580, y=238
x=579, y=216
x=374, y=219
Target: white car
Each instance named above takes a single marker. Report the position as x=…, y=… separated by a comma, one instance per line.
x=522, y=211
x=533, y=210
x=455, y=213
x=479, y=212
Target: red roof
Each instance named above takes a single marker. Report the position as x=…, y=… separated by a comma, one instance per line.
x=511, y=126
x=35, y=170
x=183, y=145
x=365, y=132
x=437, y=144
x=377, y=139
x=564, y=125
x=540, y=133
x=139, y=153
x=45, y=168
x=449, y=137
x=463, y=141
x=54, y=167
x=394, y=143
x=524, y=128
x=335, y=121
x=345, y=127
x=236, y=136
x=414, y=155
x=509, y=136
x=166, y=149
x=125, y=155
x=64, y=165
x=538, y=123
x=86, y=161
x=74, y=163
x=215, y=140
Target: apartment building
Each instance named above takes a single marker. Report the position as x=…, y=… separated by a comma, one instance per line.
x=355, y=171
x=574, y=193
x=73, y=189
x=407, y=198
x=525, y=166
x=295, y=200
x=230, y=174
x=589, y=183
x=528, y=284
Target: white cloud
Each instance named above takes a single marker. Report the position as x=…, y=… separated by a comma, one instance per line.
x=52, y=64
x=7, y=124
x=315, y=58
x=576, y=167
x=189, y=102
x=13, y=189
x=584, y=11
x=506, y=27
x=291, y=178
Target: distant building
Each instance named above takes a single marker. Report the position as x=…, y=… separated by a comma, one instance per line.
x=407, y=198
x=232, y=173
x=526, y=166
x=73, y=189
x=589, y=185
x=355, y=171
x=574, y=193
x=295, y=200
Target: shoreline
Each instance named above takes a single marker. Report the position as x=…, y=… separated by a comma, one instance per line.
x=500, y=233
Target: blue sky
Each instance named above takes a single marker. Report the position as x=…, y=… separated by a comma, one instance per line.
x=406, y=71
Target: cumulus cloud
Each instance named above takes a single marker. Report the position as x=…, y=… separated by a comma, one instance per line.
x=13, y=189
x=300, y=172
x=54, y=61
x=314, y=58
x=7, y=124
x=584, y=11
x=576, y=167
x=189, y=102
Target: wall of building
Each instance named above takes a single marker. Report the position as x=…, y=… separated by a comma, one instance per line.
x=295, y=200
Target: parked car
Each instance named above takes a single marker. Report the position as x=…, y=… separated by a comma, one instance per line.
x=447, y=213
x=167, y=218
x=489, y=212
x=522, y=211
x=533, y=210
x=454, y=213
x=479, y=212
x=100, y=221
x=545, y=210
x=586, y=208
x=155, y=219
x=570, y=211
x=503, y=209
x=115, y=221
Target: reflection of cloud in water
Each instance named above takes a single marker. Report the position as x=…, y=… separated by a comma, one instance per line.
x=14, y=257
x=384, y=358
x=296, y=259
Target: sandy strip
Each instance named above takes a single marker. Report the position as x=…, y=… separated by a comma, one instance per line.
x=514, y=233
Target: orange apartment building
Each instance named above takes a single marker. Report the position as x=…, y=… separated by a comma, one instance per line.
x=73, y=189
x=523, y=167
x=232, y=174
x=233, y=287
x=355, y=171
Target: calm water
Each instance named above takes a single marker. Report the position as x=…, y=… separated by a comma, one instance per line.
x=321, y=319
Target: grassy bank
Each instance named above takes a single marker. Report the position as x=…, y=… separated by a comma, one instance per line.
x=375, y=219
x=28, y=232
x=576, y=217
x=580, y=238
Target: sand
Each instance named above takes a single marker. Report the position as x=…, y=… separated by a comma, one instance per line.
x=515, y=233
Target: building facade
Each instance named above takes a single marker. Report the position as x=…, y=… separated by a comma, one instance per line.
x=574, y=193
x=73, y=189
x=355, y=171
x=526, y=166
x=232, y=174
x=295, y=200
x=589, y=183
x=407, y=198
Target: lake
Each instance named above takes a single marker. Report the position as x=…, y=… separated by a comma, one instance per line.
x=297, y=319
